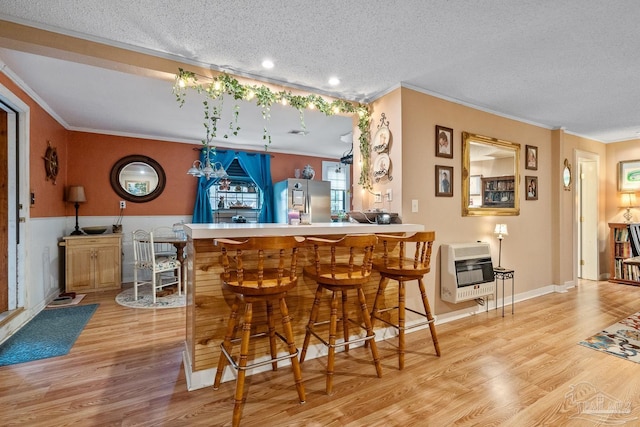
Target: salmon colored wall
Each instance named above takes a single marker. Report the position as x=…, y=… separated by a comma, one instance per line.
x=283, y=166
x=91, y=157
x=43, y=129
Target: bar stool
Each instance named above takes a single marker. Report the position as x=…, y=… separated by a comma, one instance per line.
x=256, y=270
x=341, y=265
x=401, y=269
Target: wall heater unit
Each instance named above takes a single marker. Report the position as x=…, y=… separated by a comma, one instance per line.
x=466, y=272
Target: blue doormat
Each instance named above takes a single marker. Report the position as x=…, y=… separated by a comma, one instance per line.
x=50, y=333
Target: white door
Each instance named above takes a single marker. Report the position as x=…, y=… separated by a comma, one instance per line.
x=588, y=218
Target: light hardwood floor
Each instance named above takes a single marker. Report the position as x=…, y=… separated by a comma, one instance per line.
x=521, y=370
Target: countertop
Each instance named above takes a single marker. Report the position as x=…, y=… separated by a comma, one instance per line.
x=204, y=231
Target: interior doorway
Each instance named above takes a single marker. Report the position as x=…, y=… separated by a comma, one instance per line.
x=14, y=172
x=587, y=189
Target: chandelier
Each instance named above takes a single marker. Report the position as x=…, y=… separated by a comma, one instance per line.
x=207, y=169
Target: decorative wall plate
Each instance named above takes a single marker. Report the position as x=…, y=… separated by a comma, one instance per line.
x=381, y=166
x=381, y=140
x=51, y=164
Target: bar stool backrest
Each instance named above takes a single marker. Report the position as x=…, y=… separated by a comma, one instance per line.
x=397, y=262
x=347, y=260
x=260, y=265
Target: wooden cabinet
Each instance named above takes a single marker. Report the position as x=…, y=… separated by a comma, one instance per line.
x=93, y=263
x=498, y=191
x=620, y=247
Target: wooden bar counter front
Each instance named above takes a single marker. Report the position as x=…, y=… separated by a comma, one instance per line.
x=208, y=307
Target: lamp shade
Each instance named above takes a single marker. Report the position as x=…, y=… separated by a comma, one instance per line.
x=628, y=200
x=75, y=194
x=501, y=230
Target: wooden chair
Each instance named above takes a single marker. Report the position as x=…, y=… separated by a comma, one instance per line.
x=341, y=265
x=395, y=266
x=256, y=270
x=163, y=270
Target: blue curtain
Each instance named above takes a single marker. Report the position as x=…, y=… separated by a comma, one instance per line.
x=257, y=166
x=202, y=209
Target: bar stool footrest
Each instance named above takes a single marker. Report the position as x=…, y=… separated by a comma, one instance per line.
x=406, y=328
x=341, y=343
x=234, y=364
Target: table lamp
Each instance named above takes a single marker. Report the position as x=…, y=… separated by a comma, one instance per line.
x=500, y=231
x=628, y=201
x=75, y=194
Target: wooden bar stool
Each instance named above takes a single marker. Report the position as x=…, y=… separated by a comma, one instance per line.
x=341, y=265
x=256, y=270
x=398, y=267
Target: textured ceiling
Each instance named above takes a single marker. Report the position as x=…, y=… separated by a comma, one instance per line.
x=559, y=64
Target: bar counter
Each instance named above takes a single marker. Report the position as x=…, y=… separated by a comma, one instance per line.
x=208, y=307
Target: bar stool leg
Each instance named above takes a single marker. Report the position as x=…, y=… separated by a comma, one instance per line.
x=382, y=286
x=345, y=317
x=288, y=333
x=427, y=309
x=230, y=335
x=315, y=308
x=333, y=326
x=272, y=335
x=242, y=363
x=401, y=323
x=370, y=333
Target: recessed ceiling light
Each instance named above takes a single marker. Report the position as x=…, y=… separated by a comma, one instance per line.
x=268, y=64
x=334, y=81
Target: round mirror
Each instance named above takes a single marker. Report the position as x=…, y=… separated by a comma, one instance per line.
x=137, y=178
x=566, y=175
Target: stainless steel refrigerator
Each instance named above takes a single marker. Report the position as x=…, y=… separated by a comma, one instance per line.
x=303, y=195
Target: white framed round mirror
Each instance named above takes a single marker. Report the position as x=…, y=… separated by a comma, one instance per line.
x=566, y=175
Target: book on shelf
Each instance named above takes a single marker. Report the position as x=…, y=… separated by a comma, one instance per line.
x=634, y=230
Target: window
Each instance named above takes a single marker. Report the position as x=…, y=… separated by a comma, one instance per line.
x=338, y=174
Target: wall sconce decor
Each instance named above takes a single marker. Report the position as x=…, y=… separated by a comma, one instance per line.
x=628, y=201
x=75, y=194
x=500, y=231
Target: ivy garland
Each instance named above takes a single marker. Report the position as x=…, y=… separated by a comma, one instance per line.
x=225, y=84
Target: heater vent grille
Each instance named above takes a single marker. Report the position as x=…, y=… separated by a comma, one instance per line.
x=466, y=272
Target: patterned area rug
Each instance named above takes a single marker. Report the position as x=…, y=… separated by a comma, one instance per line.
x=621, y=339
x=145, y=299
x=50, y=333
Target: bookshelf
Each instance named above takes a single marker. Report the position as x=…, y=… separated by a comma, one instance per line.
x=498, y=191
x=620, y=247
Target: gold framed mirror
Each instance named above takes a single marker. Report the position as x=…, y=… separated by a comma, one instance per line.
x=495, y=163
x=566, y=175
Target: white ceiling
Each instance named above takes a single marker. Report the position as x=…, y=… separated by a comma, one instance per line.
x=569, y=64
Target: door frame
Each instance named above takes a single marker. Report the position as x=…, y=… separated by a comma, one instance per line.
x=18, y=294
x=581, y=156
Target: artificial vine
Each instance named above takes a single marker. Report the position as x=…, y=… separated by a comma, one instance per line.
x=225, y=84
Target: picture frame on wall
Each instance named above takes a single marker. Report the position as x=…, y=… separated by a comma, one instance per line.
x=444, y=142
x=444, y=181
x=531, y=187
x=531, y=156
x=137, y=188
x=629, y=175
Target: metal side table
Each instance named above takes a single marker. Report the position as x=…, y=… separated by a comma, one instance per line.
x=502, y=274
